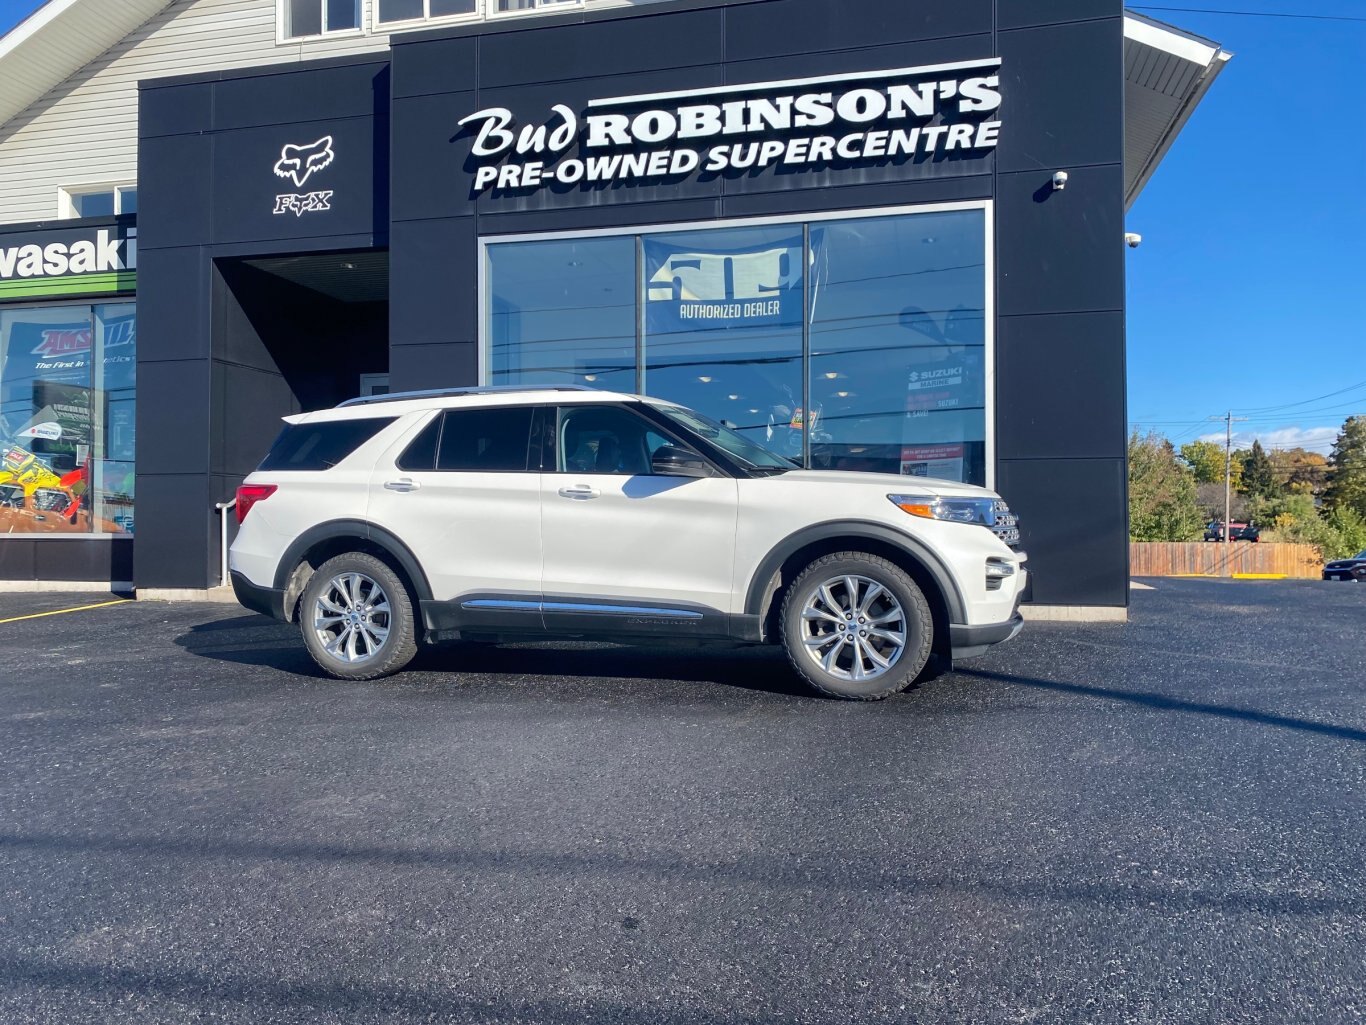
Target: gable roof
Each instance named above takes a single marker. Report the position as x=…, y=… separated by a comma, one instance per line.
x=60, y=38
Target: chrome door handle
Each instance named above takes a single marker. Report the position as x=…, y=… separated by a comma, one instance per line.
x=403, y=484
x=579, y=491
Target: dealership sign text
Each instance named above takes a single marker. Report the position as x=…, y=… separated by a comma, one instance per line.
x=869, y=117
x=103, y=251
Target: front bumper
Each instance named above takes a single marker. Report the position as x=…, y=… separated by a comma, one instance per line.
x=265, y=600
x=969, y=641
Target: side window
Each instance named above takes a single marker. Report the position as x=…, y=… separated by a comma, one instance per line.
x=654, y=441
x=320, y=445
x=606, y=439
x=421, y=454
x=493, y=440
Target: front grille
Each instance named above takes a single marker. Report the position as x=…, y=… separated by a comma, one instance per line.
x=1005, y=524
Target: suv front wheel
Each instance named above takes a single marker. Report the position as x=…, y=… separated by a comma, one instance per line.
x=357, y=618
x=856, y=626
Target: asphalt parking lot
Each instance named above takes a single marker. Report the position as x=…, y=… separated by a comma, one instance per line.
x=1163, y=821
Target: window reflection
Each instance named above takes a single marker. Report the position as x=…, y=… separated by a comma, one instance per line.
x=898, y=343
x=723, y=327
x=563, y=313
x=896, y=375
x=115, y=398
x=66, y=419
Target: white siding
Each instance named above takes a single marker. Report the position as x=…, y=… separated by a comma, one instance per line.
x=85, y=130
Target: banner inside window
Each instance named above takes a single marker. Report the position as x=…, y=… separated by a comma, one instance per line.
x=67, y=405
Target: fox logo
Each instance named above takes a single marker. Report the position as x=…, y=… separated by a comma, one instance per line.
x=300, y=162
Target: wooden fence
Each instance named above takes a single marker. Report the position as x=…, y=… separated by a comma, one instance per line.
x=1209, y=559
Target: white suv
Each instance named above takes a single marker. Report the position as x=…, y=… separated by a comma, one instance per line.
x=481, y=514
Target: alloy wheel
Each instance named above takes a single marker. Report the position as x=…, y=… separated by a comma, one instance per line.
x=352, y=618
x=853, y=628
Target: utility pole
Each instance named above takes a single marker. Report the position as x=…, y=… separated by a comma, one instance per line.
x=1229, y=420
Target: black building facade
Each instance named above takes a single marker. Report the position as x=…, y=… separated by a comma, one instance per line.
x=838, y=226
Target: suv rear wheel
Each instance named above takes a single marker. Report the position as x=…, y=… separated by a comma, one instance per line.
x=856, y=626
x=357, y=618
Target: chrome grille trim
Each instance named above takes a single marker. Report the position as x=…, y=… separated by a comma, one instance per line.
x=1005, y=524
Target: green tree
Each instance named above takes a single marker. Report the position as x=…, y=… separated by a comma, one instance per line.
x=1162, y=504
x=1259, y=475
x=1347, y=468
x=1299, y=470
x=1206, y=461
x=1294, y=519
x=1351, y=528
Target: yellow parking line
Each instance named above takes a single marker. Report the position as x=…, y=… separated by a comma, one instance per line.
x=62, y=612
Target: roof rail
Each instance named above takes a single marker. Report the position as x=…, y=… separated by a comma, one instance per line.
x=444, y=393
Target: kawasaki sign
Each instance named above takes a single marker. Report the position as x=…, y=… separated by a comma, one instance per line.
x=64, y=260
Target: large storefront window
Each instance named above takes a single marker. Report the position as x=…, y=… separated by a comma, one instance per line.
x=723, y=327
x=898, y=344
x=856, y=343
x=67, y=419
x=563, y=313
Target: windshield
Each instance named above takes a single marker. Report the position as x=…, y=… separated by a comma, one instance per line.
x=1360, y=555
x=750, y=453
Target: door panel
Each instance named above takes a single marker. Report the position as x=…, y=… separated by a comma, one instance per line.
x=611, y=530
x=473, y=530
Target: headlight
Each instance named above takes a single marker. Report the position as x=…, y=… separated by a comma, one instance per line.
x=991, y=513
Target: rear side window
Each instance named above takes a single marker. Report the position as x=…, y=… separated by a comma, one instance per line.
x=321, y=445
x=421, y=454
x=492, y=440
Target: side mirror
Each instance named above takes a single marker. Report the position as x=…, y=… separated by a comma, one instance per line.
x=672, y=461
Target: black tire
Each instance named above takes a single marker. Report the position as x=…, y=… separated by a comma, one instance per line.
x=399, y=642
x=917, y=620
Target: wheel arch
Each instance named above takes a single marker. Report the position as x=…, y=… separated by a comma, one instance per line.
x=319, y=543
x=790, y=556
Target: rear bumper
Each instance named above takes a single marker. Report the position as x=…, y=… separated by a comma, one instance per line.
x=265, y=600
x=968, y=641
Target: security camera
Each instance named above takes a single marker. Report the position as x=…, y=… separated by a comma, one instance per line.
x=1059, y=181
x=1133, y=239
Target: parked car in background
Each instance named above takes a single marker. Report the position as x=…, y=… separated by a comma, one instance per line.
x=1214, y=531
x=1353, y=569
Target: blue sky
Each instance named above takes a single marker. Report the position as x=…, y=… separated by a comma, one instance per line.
x=14, y=11
x=1246, y=292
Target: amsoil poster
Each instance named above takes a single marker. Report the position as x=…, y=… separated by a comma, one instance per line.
x=47, y=390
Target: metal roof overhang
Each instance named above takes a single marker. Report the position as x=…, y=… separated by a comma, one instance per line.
x=57, y=40
x=1166, y=74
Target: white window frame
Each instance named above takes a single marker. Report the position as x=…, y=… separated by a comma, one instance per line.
x=341, y=33
x=378, y=26
x=66, y=196
x=370, y=382
x=542, y=7
x=484, y=10
x=987, y=206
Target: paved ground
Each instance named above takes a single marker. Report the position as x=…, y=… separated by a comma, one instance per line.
x=1159, y=822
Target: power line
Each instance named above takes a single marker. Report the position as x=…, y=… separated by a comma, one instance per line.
x=1305, y=402
x=1250, y=14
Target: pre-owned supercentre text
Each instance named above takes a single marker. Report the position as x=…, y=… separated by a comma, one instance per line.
x=844, y=119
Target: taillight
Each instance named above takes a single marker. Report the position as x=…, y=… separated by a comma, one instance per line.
x=249, y=494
